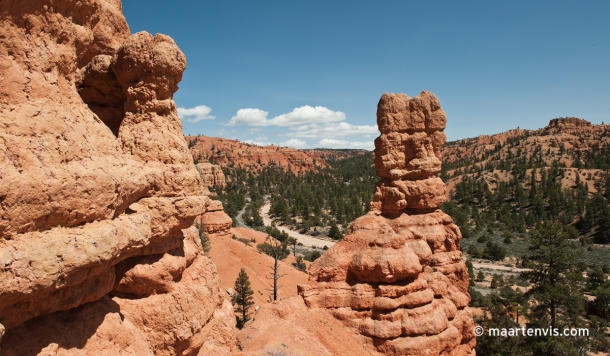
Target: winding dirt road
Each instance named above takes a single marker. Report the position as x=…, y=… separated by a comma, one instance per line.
x=306, y=240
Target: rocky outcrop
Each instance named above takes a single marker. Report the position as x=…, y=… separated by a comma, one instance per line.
x=98, y=191
x=289, y=327
x=251, y=157
x=569, y=122
x=211, y=175
x=397, y=278
x=215, y=220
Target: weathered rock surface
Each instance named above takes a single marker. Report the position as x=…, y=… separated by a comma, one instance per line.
x=215, y=220
x=290, y=327
x=569, y=141
x=211, y=175
x=252, y=157
x=397, y=278
x=569, y=122
x=98, y=191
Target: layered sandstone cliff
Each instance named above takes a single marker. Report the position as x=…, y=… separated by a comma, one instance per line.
x=226, y=152
x=211, y=175
x=215, y=220
x=569, y=122
x=98, y=191
x=397, y=278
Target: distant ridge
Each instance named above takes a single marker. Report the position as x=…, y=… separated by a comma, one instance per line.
x=251, y=157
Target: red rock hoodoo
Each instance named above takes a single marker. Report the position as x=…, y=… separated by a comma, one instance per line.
x=98, y=191
x=397, y=278
x=215, y=220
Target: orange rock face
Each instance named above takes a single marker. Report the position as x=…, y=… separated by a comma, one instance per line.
x=252, y=157
x=98, y=191
x=397, y=278
x=570, y=122
x=211, y=175
x=215, y=220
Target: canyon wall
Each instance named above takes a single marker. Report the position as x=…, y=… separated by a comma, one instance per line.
x=397, y=279
x=226, y=152
x=98, y=191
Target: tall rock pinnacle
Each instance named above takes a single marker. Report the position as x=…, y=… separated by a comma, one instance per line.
x=408, y=153
x=397, y=278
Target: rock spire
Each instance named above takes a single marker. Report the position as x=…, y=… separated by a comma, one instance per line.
x=397, y=278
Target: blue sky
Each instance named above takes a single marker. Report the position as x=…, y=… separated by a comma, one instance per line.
x=309, y=74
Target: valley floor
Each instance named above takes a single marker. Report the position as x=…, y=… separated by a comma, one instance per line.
x=306, y=240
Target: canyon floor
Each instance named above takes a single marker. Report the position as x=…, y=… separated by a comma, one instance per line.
x=306, y=240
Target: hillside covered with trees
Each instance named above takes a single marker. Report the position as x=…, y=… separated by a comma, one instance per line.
x=513, y=195
x=536, y=200
x=310, y=201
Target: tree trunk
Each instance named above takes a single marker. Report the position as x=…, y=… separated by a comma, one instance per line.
x=553, y=313
x=275, y=277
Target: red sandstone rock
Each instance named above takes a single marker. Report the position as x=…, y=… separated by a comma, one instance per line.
x=570, y=122
x=215, y=220
x=99, y=191
x=563, y=140
x=211, y=175
x=411, y=136
x=223, y=152
x=291, y=327
x=397, y=278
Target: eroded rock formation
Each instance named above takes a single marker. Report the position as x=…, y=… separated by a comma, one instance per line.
x=253, y=158
x=98, y=191
x=569, y=122
x=215, y=220
x=397, y=278
x=211, y=175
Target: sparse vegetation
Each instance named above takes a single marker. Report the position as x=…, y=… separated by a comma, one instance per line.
x=278, y=251
x=204, y=238
x=242, y=298
x=313, y=255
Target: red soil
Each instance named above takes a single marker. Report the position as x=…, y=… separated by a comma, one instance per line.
x=231, y=255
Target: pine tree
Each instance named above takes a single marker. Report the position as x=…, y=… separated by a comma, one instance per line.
x=334, y=232
x=471, y=276
x=278, y=250
x=553, y=261
x=204, y=238
x=242, y=298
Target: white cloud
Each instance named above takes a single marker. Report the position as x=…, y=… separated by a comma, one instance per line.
x=305, y=115
x=332, y=143
x=259, y=141
x=249, y=116
x=196, y=114
x=293, y=142
x=331, y=130
x=326, y=126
